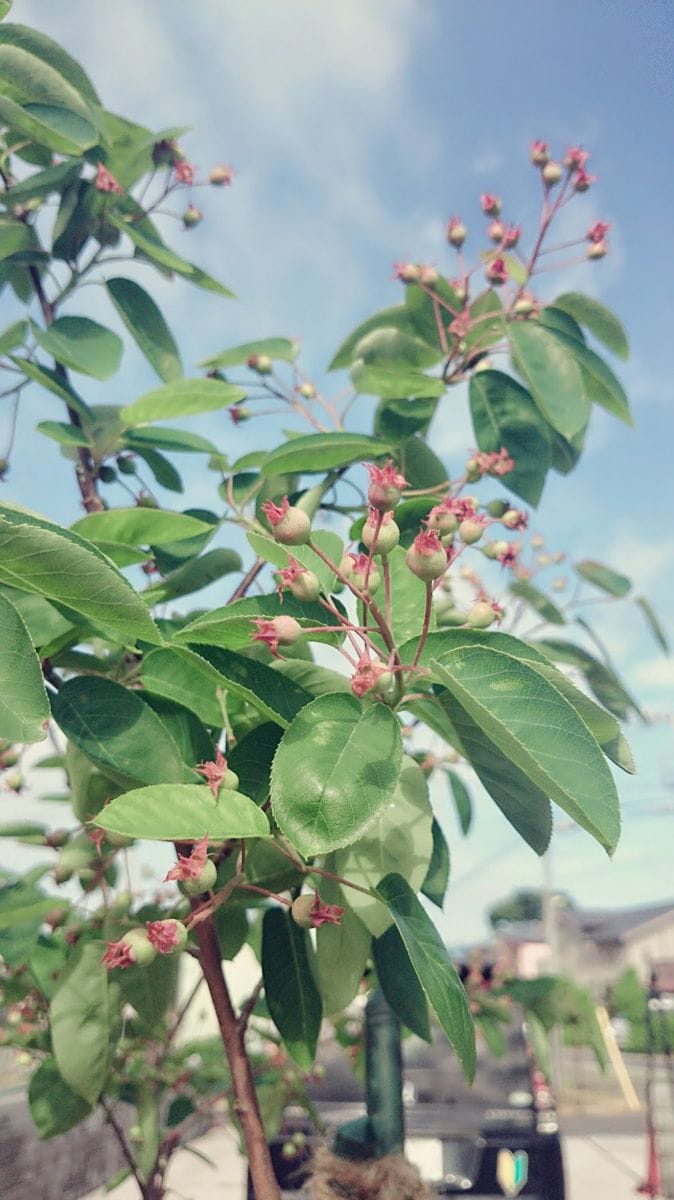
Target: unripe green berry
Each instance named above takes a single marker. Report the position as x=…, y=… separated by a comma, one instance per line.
x=443, y=522
x=524, y=306
x=261, y=363
x=287, y=630
x=107, y=474
x=145, y=501
x=511, y=518
x=14, y=781
x=4, y=467
x=428, y=276
x=473, y=472
x=203, y=882
x=301, y=910
x=294, y=529
x=230, y=780
x=118, y=841
x=451, y=616
x=307, y=391
x=387, y=538
x=490, y=549
x=470, y=531
x=596, y=250
x=9, y=759
x=481, y=615
x=496, y=508
x=306, y=587
x=373, y=579
x=408, y=273
x=126, y=464
x=426, y=566
x=552, y=173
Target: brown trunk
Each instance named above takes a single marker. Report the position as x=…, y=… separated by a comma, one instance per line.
x=245, y=1103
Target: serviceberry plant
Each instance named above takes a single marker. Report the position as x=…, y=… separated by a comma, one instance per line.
x=294, y=793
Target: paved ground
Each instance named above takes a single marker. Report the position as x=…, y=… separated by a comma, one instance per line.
x=599, y=1166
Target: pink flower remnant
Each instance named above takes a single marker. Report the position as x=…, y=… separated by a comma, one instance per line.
x=491, y=205
x=498, y=462
x=163, y=935
x=275, y=512
x=214, y=772
x=184, y=171
x=267, y=633
x=324, y=914
x=386, y=476
x=106, y=182
x=190, y=866
x=367, y=676
x=118, y=954
x=290, y=574
x=597, y=231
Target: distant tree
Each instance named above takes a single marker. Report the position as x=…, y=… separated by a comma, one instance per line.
x=526, y=904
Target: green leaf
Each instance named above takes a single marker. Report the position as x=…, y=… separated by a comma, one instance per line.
x=43, y=622
x=330, y=543
x=54, y=1106
x=504, y=414
x=194, y=575
x=269, y=693
x=52, y=381
x=292, y=996
x=555, y=318
x=462, y=801
x=538, y=601
x=274, y=347
x=38, y=556
x=157, y=252
x=163, y=471
x=231, y=926
x=408, y=596
x=175, y=812
x=400, y=839
x=147, y=326
x=139, y=526
x=14, y=335
x=522, y=803
x=111, y=725
x=433, y=966
x=342, y=953
x=389, y=348
x=179, y=674
x=188, y=732
x=334, y=772
x=388, y=319
x=553, y=375
x=80, y=1023
x=14, y=238
x=56, y=128
x=435, y=884
x=232, y=625
x=653, y=623
x=601, y=679
x=313, y=453
x=597, y=318
x=420, y=465
x=42, y=183
x=66, y=435
x=5, y=8
x=24, y=708
x=182, y=398
x=538, y=730
x=251, y=758
x=601, y=385
x=394, y=383
x=399, y=982
x=44, y=64
x=178, y=441
x=81, y=344
x=317, y=680
x=490, y=328
x=603, y=577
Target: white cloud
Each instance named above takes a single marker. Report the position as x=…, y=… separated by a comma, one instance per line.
x=656, y=673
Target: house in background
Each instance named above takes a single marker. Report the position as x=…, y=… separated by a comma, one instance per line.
x=593, y=946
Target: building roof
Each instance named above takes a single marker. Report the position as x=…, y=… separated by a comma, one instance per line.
x=613, y=925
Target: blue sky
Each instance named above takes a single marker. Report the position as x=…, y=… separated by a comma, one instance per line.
x=356, y=127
